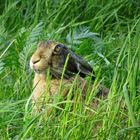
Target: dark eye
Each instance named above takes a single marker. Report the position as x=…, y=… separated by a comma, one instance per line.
x=57, y=48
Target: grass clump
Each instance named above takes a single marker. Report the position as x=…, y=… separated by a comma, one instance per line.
x=105, y=33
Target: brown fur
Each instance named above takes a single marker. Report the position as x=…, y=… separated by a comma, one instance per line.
x=41, y=88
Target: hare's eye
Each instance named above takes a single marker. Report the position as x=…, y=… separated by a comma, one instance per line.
x=57, y=48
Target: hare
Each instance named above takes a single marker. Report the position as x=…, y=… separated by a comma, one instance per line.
x=54, y=56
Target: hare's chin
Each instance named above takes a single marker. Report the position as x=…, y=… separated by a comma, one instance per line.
x=38, y=71
x=32, y=66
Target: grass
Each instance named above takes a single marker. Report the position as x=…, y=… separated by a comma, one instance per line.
x=105, y=33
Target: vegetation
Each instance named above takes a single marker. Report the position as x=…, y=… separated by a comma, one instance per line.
x=105, y=33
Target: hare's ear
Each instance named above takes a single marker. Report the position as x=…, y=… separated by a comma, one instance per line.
x=77, y=65
x=85, y=70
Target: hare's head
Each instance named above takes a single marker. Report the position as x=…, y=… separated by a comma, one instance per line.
x=53, y=55
x=42, y=57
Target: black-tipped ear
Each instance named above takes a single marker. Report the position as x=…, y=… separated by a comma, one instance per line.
x=85, y=70
x=77, y=65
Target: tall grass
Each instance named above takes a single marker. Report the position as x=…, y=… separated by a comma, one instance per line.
x=105, y=33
